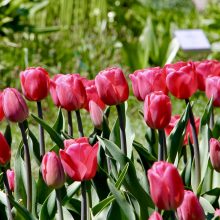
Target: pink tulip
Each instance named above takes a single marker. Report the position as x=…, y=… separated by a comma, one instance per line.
x=79, y=159
x=148, y=80
x=14, y=105
x=68, y=91
x=217, y=213
x=35, y=83
x=52, y=170
x=11, y=179
x=157, y=110
x=5, y=150
x=155, y=216
x=190, y=209
x=215, y=153
x=166, y=186
x=112, y=86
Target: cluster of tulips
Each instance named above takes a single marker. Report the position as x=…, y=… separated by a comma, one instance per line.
x=104, y=161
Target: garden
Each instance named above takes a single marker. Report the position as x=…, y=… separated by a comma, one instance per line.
x=103, y=115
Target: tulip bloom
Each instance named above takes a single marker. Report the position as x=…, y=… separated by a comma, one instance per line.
x=213, y=89
x=188, y=133
x=11, y=179
x=68, y=91
x=14, y=105
x=190, y=209
x=148, y=80
x=157, y=110
x=1, y=107
x=52, y=170
x=112, y=86
x=166, y=186
x=181, y=79
x=215, y=153
x=204, y=69
x=35, y=83
x=155, y=216
x=79, y=159
x=5, y=151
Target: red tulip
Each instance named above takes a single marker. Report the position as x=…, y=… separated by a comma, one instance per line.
x=35, y=83
x=1, y=107
x=52, y=170
x=79, y=159
x=5, y=151
x=11, y=179
x=155, y=216
x=190, y=209
x=112, y=86
x=188, y=133
x=213, y=89
x=166, y=186
x=68, y=91
x=14, y=105
x=204, y=69
x=181, y=79
x=215, y=153
x=157, y=110
x=148, y=80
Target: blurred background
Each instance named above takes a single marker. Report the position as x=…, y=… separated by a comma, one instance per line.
x=86, y=36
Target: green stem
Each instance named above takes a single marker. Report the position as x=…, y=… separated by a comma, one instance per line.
x=41, y=130
x=121, y=118
x=70, y=123
x=8, y=193
x=212, y=121
x=83, y=201
x=195, y=145
x=59, y=205
x=27, y=167
x=79, y=123
x=161, y=147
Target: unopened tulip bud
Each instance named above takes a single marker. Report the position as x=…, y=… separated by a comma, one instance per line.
x=52, y=170
x=11, y=179
x=155, y=216
x=14, y=105
x=190, y=208
x=215, y=153
x=96, y=114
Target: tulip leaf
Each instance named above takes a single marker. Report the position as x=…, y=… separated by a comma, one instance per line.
x=152, y=140
x=212, y=195
x=122, y=176
x=48, y=209
x=74, y=205
x=59, y=124
x=175, y=139
x=102, y=205
x=206, y=205
x=71, y=190
x=216, y=129
x=23, y=212
x=67, y=214
x=53, y=134
x=207, y=113
x=115, y=212
x=131, y=181
x=7, y=134
x=120, y=198
x=3, y=198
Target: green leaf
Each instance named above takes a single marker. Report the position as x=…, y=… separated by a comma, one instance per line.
x=74, y=205
x=53, y=134
x=216, y=129
x=48, y=209
x=175, y=139
x=21, y=210
x=71, y=190
x=121, y=176
x=115, y=212
x=59, y=125
x=120, y=198
x=131, y=181
x=206, y=205
x=8, y=135
x=207, y=113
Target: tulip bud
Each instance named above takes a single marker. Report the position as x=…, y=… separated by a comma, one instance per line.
x=79, y=159
x=11, y=179
x=215, y=153
x=1, y=107
x=157, y=110
x=5, y=151
x=181, y=79
x=155, y=216
x=14, y=105
x=96, y=114
x=35, y=83
x=112, y=86
x=213, y=89
x=190, y=208
x=148, y=80
x=166, y=186
x=68, y=91
x=52, y=170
